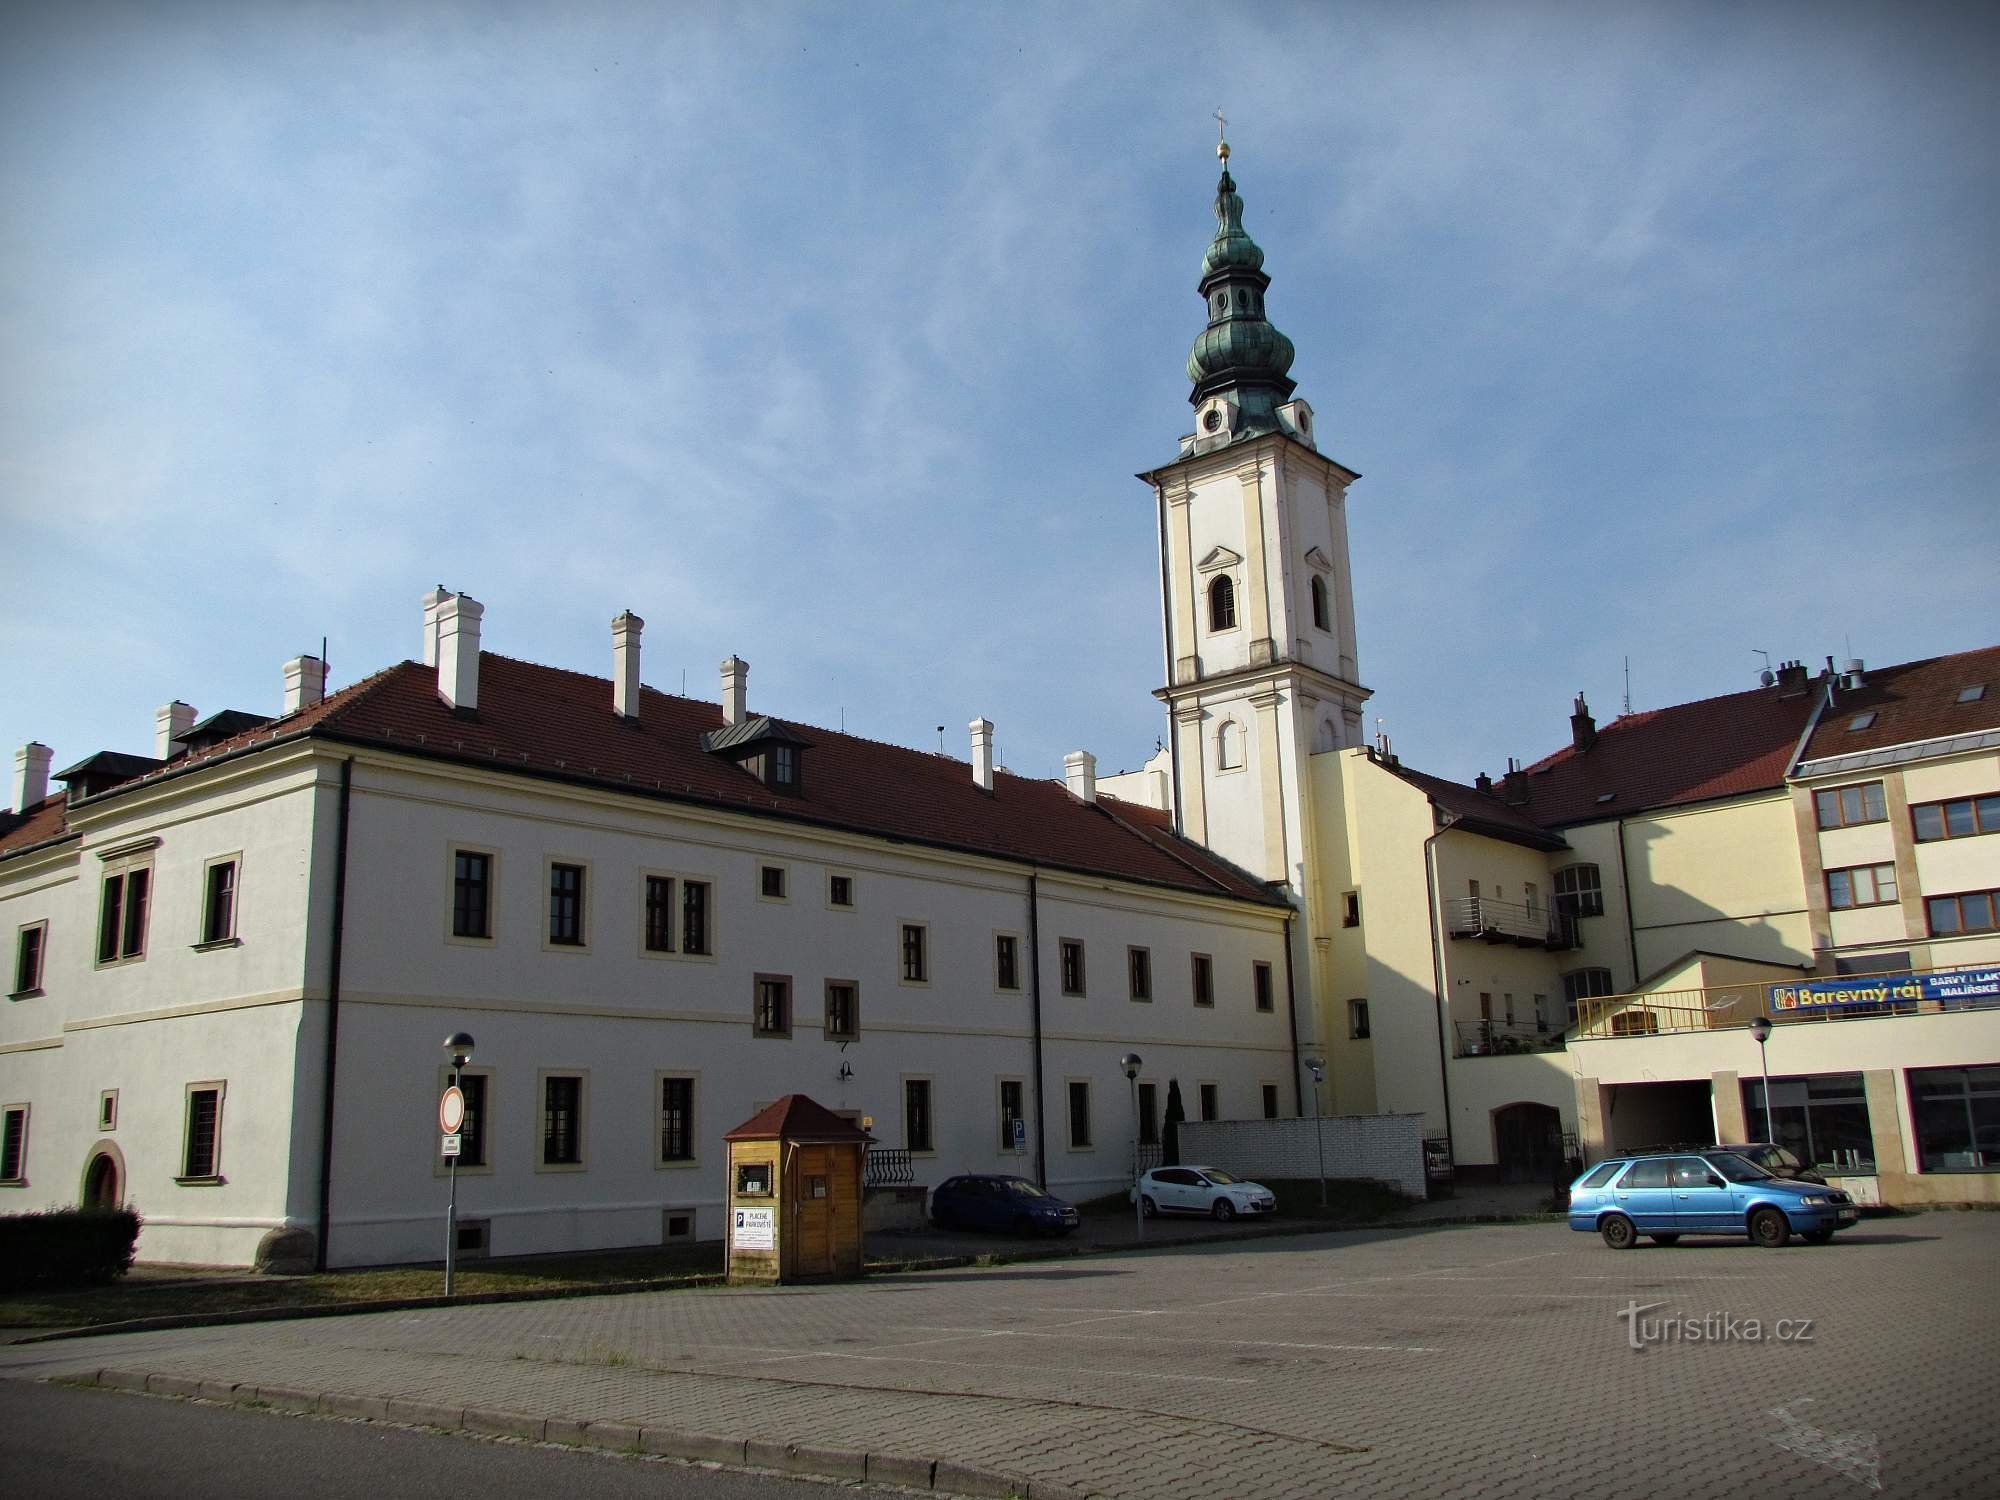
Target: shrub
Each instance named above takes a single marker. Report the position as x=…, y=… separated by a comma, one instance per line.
x=66, y=1247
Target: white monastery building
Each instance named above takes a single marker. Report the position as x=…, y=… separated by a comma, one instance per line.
x=233, y=960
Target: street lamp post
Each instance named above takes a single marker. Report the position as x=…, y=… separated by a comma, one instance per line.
x=1317, y=1067
x=1131, y=1063
x=1760, y=1028
x=459, y=1047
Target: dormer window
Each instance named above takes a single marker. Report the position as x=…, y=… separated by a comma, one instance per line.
x=771, y=751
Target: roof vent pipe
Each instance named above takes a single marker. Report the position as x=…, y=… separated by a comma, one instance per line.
x=625, y=664
x=982, y=754
x=31, y=775
x=1080, y=775
x=458, y=652
x=1854, y=674
x=171, y=722
x=305, y=683
x=433, y=602
x=735, y=689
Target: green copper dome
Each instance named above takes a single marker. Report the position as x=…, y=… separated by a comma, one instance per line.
x=1239, y=351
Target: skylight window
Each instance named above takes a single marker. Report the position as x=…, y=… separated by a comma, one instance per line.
x=1860, y=721
x=1606, y=796
x=1972, y=694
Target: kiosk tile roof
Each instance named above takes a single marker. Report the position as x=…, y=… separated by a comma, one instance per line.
x=797, y=1118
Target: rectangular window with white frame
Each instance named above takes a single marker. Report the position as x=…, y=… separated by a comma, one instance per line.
x=771, y=1006
x=201, y=1134
x=675, y=1130
x=567, y=895
x=564, y=1120
x=674, y=916
x=1078, y=1091
x=1139, y=971
x=31, y=947
x=220, y=878
x=1357, y=1020
x=772, y=883
x=914, y=952
x=14, y=1146
x=840, y=891
x=919, y=1129
x=1006, y=961
x=1202, y=978
x=107, y=1110
x=1013, y=1108
x=121, y=923
x=843, y=1010
x=1072, y=966
x=472, y=884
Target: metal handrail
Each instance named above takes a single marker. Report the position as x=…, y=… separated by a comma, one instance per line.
x=1500, y=1038
x=888, y=1167
x=1482, y=916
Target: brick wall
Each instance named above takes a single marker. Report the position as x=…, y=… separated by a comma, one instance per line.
x=1388, y=1149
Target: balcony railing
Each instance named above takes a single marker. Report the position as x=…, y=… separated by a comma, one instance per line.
x=1505, y=1038
x=886, y=1167
x=1510, y=922
x=1736, y=1005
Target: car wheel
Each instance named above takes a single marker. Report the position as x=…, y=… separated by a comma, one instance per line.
x=1618, y=1232
x=1147, y=1206
x=1816, y=1236
x=1770, y=1228
x=1666, y=1239
x=1223, y=1210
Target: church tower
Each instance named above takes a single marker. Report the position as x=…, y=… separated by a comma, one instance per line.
x=1257, y=599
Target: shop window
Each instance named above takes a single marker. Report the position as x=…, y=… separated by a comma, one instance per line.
x=1957, y=1116
x=1822, y=1120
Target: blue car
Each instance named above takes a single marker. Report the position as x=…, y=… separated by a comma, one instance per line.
x=1005, y=1204
x=1711, y=1192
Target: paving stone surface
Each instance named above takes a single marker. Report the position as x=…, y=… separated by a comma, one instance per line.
x=1485, y=1360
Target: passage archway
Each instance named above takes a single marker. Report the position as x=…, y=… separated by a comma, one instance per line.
x=104, y=1177
x=1527, y=1142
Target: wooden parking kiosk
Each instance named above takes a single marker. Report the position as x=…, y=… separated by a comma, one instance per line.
x=795, y=1194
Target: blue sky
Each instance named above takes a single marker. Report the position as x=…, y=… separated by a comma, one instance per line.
x=832, y=336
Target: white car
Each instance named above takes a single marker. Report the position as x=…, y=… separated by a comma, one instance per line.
x=1202, y=1190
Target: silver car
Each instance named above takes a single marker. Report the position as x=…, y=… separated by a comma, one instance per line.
x=1202, y=1190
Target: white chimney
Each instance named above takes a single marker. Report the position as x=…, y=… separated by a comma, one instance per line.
x=1854, y=675
x=458, y=651
x=735, y=681
x=433, y=602
x=982, y=754
x=171, y=722
x=305, y=682
x=1080, y=775
x=31, y=775
x=625, y=664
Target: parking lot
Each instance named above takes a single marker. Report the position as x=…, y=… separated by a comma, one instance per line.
x=1487, y=1360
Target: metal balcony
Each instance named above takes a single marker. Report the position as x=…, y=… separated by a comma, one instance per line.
x=1510, y=922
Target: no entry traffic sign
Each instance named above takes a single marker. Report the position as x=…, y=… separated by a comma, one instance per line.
x=451, y=1111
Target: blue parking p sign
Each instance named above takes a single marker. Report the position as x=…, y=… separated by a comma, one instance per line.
x=1020, y=1134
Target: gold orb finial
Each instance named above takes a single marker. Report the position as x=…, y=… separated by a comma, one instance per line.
x=1222, y=150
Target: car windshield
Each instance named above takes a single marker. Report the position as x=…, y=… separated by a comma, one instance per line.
x=1020, y=1187
x=1735, y=1168
x=1220, y=1179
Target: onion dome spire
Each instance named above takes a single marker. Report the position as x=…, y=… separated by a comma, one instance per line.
x=1239, y=355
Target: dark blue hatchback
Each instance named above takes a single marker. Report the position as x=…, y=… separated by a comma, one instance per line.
x=1711, y=1192
x=1007, y=1204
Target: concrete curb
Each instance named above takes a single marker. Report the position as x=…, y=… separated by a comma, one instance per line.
x=942, y=1476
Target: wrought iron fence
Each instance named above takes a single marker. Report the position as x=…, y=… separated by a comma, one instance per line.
x=888, y=1167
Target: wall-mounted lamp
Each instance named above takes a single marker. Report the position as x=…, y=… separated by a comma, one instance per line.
x=846, y=1072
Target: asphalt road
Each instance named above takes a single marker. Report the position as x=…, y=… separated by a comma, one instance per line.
x=66, y=1444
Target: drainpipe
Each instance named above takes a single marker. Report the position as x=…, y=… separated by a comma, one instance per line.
x=1035, y=991
x=333, y=1014
x=1437, y=980
x=1625, y=882
x=1292, y=1020
x=1167, y=635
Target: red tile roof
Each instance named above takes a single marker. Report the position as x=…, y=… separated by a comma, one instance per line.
x=40, y=824
x=551, y=723
x=797, y=1118
x=1665, y=757
x=1915, y=701
x=1475, y=810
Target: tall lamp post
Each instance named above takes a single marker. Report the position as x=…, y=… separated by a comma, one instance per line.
x=451, y=1114
x=1317, y=1067
x=1760, y=1028
x=1131, y=1063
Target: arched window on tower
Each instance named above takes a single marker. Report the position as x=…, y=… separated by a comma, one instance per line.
x=1222, y=603
x=1320, y=616
x=1229, y=746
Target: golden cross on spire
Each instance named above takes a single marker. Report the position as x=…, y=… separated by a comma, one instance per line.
x=1221, y=134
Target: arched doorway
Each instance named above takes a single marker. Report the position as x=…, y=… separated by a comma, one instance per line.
x=1527, y=1142
x=104, y=1178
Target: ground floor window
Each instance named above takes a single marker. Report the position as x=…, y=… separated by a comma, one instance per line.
x=1079, y=1114
x=1822, y=1120
x=1270, y=1091
x=917, y=1115
x=1149, y=1114
x=201, y=1137
x=1957, y=1115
